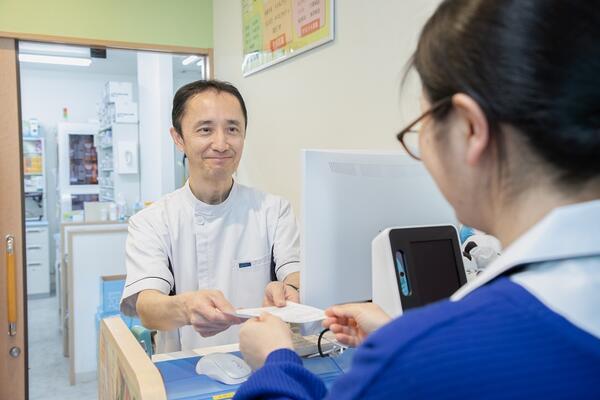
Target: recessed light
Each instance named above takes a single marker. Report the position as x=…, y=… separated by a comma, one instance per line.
x=53, y=49
x=189, y=60
x=37, y=58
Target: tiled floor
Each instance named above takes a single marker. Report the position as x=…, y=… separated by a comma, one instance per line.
x=48, y=368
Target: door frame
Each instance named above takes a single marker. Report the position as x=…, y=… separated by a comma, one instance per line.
x=12, y=218
x=13, y=377
x=113, y=44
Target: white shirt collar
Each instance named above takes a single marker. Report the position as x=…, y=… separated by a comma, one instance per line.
x=209, y=209
x=566, y=232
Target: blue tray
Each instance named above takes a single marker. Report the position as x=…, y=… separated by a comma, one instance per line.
x=182, y=382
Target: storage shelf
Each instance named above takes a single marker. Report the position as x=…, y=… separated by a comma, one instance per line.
x=108, y=140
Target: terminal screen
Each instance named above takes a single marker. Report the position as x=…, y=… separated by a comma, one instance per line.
x=433, y=273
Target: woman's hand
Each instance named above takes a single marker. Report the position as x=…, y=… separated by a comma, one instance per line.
x=352, y=323
x=261, y=336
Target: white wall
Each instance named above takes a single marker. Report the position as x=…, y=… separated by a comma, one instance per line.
x=44, y=93
x=345, y=94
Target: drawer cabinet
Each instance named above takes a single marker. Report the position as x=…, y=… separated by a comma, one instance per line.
x=38, y=260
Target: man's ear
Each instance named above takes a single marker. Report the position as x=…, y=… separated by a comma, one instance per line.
x=478, y=135
x=177, y=139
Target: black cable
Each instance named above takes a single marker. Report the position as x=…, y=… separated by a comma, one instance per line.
x=319, y=343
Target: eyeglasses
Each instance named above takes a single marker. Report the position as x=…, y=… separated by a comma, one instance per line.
x=409, y=136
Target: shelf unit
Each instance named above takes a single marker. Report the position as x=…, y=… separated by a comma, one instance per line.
x=118, y=163
x=34, y=182
x=36, y=226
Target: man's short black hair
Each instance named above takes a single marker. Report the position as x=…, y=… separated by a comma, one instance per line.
x=188, y=91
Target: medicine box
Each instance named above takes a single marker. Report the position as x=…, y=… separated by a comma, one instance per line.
x=125, y=111
x=117, y=90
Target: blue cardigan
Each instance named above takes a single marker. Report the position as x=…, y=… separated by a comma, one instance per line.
x=499, y=342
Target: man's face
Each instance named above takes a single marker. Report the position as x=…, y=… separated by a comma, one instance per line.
x=213, y=134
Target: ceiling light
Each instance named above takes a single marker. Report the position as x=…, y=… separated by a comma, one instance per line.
x=53, y=49
x=37, y=58
x=189, y=60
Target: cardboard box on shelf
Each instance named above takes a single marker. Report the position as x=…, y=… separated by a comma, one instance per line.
x=117, y=90
x=125, y=111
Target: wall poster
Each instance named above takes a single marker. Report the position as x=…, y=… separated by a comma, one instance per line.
x=275, y=30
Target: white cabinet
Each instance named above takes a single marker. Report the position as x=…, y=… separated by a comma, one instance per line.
x=38, y=260
x=77, y=167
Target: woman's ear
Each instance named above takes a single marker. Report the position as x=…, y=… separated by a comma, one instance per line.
x=478, y=134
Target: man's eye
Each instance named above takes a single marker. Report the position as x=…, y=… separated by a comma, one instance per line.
x=234, y=130
x=204, y=131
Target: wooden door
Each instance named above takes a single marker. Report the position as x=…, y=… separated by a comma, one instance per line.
x=13, y=354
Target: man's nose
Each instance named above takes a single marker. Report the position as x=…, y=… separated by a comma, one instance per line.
x=219, y=142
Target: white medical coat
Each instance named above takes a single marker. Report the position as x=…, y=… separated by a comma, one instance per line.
x=180, y=244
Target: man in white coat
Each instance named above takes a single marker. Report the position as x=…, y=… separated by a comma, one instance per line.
x=213, y=245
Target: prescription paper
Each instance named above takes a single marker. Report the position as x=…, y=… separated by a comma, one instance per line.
x=292, y=312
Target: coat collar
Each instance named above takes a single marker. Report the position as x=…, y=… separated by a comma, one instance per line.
x=209, y=210
x=566, y=232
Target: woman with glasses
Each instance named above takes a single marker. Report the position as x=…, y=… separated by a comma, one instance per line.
x=511, y=120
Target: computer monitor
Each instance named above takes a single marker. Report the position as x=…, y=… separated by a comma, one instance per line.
x=348, y=198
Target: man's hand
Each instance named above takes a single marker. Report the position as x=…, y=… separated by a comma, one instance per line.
x=261, y=336
x=277, y=293
x=208, y=312
x=352, y=323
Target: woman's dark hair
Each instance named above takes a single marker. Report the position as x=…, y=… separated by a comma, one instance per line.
x=190, y=90
x=530, y=64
